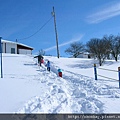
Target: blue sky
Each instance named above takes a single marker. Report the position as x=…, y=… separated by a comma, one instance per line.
x=77, y=20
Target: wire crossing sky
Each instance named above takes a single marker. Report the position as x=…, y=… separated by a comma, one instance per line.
x=36, y=31
x=78, y=20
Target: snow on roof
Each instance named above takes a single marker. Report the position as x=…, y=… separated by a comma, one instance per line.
x=6, y=41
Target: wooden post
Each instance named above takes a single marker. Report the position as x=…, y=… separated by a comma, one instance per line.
x=53, y=13
x=95, y=71
x=119, y=75
x=1, y=56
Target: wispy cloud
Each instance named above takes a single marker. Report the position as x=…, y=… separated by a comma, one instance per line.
x=109, y=11
x=66, y=43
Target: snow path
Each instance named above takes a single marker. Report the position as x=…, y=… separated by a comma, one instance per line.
x=64, y=95
x=56, y=94
x=32, y=89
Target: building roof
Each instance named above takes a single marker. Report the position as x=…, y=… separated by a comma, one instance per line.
x=6, y=41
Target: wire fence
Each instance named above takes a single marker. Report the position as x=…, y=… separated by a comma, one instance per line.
x=106, y=77
x=117, y=71
x=108, y=69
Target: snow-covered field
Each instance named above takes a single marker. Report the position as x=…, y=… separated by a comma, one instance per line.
x=28, y=88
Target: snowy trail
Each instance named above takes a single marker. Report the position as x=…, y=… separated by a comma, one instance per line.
x=64, y=95
x=96, y=93
x=82, y=93
x=55, y=97
x=32, y=89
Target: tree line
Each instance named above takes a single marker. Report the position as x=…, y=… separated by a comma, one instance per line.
x=97, y=48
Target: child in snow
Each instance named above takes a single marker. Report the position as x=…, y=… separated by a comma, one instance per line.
x=59, y=72
x=48, y=65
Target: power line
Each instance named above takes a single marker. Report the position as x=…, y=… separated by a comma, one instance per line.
x=36, y=31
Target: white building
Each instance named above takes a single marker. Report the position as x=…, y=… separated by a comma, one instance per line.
x=15, y=47
x=84, y=55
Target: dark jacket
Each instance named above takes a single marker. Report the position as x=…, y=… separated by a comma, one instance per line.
x=40, y=57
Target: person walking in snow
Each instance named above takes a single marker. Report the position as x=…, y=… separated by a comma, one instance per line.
x=48, y=65
x=40, y=59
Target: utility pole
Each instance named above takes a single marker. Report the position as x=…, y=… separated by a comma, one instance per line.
x=1, y=56
x=53, y=14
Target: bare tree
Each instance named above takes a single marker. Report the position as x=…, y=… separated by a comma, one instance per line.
x=100, y=48
x=41, y=52
x=75, y=49
x=114, y=44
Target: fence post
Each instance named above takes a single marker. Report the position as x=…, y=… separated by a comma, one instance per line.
x=119, y=75
x=95, y=71
x=1, y=56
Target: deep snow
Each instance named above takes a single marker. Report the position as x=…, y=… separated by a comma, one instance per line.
x=29, y=88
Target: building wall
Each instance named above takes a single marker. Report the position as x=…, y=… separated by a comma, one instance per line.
x=82, y=56
x=24, y=51
x=9, y=48
x=14, y=48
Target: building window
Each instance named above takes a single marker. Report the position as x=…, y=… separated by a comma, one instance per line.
x=12, y=50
